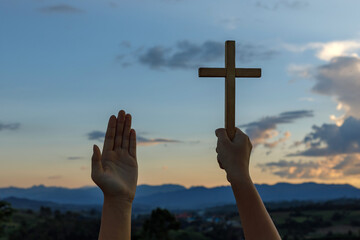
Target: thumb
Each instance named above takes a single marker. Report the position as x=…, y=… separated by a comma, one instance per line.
x=222, y=135
x=238, y=132
x=240, y=136
x=96, y=160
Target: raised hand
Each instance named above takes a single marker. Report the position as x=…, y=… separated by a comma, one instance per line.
x=233, y=156
x=115, y=170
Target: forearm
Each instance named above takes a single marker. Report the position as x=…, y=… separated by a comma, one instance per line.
x=256, y=221
x=115, y=219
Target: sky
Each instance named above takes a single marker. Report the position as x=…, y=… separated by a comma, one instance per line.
x=67, y=66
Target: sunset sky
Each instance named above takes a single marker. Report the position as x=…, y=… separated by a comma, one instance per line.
x=66, y=66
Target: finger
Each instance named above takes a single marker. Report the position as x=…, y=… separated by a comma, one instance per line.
x=218, y=160
x=119, y=129
x=96, y=165
x=222, y=135
x=110, y=134
x=126, y=133
x=219, y=146
x=132, y=147
x=220, y=165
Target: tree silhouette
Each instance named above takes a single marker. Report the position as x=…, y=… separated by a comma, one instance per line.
x=56, y=225
x=5, y=213
x=159, y=224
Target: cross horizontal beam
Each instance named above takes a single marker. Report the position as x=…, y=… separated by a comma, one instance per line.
x=239, y=72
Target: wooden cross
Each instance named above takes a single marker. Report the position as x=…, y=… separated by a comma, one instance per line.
x=230, y=73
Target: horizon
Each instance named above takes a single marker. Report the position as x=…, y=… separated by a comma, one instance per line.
x=68, y=66
x=186, y=187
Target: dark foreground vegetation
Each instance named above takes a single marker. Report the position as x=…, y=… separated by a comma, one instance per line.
x=332, y=220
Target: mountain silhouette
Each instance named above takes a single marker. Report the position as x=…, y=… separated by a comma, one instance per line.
x=175, y=197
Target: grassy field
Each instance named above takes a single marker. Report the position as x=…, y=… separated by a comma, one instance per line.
x=312, y=224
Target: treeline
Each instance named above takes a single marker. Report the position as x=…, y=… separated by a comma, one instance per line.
x=338, y=204
x=295, y=205
x=46, y=224
x=293, y=222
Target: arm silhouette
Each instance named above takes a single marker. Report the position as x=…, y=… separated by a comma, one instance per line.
x=233, y=157
x=115, y=171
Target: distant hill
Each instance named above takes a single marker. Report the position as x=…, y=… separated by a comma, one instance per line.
x=178, y=197
x=192, y=198
x=84, y=195
x=23, y=203
x=147, y=190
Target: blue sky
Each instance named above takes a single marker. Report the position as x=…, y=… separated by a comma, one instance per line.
x=66, y=66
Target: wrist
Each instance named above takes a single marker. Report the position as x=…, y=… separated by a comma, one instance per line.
x=238, y=177
x=118, y=201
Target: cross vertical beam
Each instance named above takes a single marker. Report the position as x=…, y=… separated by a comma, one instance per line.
x=230, y=88
x=230, y=73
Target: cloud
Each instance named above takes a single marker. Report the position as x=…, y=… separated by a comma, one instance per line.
x=330, y=139
x=60, y=8
x=291, y=169
x=273, y=144
x=350, y=165
x=190, y=55
x=275, y=5
x=96, y=135
x=154, y=57
x=340, y=79
x=265, y=129
x=9, y=126
x=329, y=50
x=332, y=167
x=141, y=141
x=301, y=71
x=75, y=158
x=154, y=141
x=306, y=99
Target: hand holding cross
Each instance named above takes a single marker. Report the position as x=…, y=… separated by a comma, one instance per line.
x=230, y=73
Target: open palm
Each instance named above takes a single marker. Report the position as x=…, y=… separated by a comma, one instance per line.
x=115, y=170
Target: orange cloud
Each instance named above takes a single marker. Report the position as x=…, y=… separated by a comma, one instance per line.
x=260, y=132
x=331, y=167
